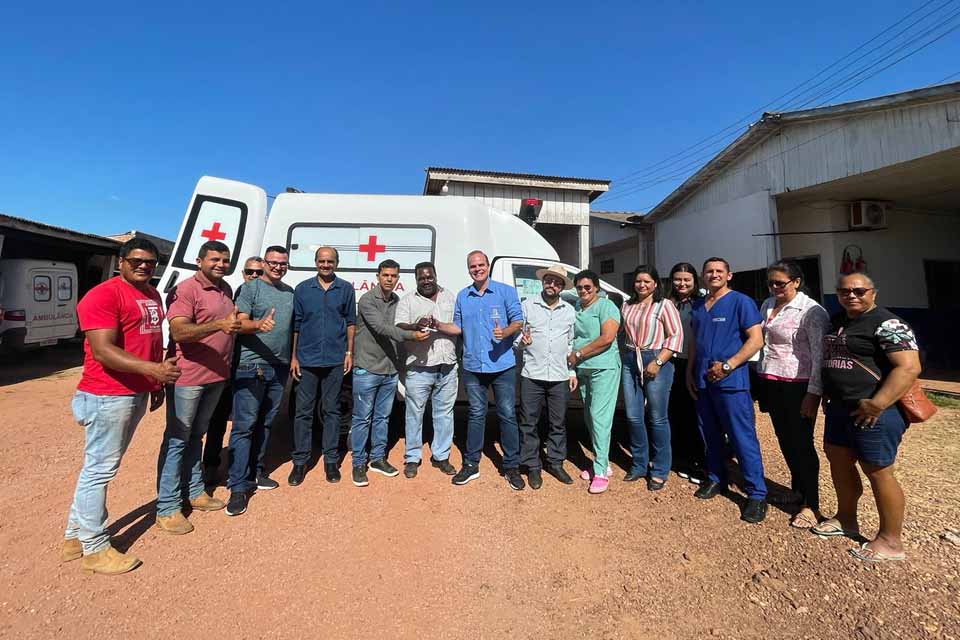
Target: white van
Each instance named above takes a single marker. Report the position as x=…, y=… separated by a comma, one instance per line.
x=39, y=298
x=365, y=230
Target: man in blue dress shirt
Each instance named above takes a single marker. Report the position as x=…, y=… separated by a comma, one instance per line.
x=324, y=320
x=487, y=313
x=727, y=334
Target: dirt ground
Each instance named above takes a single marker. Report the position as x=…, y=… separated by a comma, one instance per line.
x=421, y=558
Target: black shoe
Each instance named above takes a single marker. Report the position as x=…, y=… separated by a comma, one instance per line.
x=297, y=474
x=333, y=474
x=443, y=465
x=633, y=476
x=754, y=511
x=534, y=478
x=237, y=503
x=655, y=485
x=558, y=472
x=266, y=483
x=360, y=477
x=708, y=489
x=514, y=479
x=383, y=467
x=410, y=469
x=467, y=473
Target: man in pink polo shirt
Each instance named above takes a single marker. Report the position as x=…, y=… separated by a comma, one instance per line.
x=203, y=323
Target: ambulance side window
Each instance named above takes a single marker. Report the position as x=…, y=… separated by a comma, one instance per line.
x=42, y=288
x=64, y=288
x=212, y=218
x=525, y=280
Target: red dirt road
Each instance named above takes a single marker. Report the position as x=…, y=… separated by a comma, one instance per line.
x=421, y=558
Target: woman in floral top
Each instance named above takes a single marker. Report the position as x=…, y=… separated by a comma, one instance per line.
x=870, y=361
x=789, y=371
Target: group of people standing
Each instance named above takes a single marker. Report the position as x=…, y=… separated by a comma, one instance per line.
x=681, y=360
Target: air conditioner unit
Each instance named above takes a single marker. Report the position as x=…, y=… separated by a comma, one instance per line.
x=868, y=214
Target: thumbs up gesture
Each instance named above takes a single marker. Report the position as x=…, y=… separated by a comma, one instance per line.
x=231, y=324
x=166, y=372
x=267, y=323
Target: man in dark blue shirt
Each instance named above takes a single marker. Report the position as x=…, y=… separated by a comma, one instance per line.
x=727, y=333
x=324, y=318
x=487, y=313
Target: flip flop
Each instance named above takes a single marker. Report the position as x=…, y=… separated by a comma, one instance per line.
x=866, y=554
x=830, y=528
x=803, y=521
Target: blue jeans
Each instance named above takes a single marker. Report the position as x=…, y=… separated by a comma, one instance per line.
x=108, y=423
x=640, y=396
x=257, y=393
x=373, y=395
x=179, y=471
x=438, y=385
x=504, y=385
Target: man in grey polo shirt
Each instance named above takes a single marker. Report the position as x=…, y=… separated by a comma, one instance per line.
x=545, y=342
x=431, y=370
x=375, y=377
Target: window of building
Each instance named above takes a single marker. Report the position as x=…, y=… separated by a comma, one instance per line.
x=943, y=284
x=606, y=266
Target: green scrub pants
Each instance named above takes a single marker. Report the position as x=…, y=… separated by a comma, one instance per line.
x=599, y=389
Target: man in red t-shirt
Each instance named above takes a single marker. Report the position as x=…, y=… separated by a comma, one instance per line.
x=203, y=323
x=122, y=365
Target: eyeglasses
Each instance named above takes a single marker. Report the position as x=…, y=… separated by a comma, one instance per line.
x=277, y=265
x=253, y=272
x=845, y=292
x=584, y=287
x=136, y=263
x=778, y=284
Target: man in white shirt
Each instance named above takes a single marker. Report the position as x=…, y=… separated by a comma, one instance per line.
x=431, y=370
x=546, y=380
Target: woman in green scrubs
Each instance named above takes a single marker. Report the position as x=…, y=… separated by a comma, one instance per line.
x=597, y=362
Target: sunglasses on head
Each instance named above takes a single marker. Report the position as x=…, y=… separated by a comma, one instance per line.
x=136, y=263
x=253, y=272
x=844, y=292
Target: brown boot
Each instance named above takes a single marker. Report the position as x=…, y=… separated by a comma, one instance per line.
x=109, y=562
x=203, y=502
x=71, y=550
x=174, y=524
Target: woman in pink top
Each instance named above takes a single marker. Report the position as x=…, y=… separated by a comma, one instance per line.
x=653, y=334
x=789, y=368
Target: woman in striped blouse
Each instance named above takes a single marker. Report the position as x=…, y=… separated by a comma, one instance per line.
x=653, y=334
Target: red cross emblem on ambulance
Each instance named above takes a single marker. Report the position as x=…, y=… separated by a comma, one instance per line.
x=371, y=248
x=213, y=233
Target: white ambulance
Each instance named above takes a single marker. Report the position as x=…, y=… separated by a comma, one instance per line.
x=365, y=230
x=39, y=298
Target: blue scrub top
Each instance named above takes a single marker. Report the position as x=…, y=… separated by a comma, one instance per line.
x=720, y=332
x=473, y=313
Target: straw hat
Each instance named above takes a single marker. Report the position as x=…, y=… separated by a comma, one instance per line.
x=558, y=271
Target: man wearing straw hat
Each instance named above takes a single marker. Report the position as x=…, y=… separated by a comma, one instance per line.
x=546, y=380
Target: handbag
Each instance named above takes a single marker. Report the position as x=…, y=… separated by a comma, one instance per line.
x=914, y=404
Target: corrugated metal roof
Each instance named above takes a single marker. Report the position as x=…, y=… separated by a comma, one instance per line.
x=507, y=174
x=615, y=216
x=33, y=226
x=770, y=123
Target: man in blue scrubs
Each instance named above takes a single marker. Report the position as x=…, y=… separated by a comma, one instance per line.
x=727, y=332
x=487, y=313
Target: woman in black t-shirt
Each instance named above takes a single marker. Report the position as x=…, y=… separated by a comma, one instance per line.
x=870, y=360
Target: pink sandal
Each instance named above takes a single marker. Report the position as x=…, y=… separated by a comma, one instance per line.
x=599, y=484
x=587, y=474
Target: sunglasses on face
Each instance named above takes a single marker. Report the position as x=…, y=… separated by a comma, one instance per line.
x=277, y=265
x=253, y=272
x=844, y=292
x=778, y=284
x=136, y=263
x=586, y=287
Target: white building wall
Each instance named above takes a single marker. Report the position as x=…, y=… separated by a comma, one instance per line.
x=724, y=230
x=894, y=255
x=561, y=206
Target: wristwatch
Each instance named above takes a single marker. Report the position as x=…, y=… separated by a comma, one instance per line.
x=726, y=367
x=659, y=362
x=578, y=355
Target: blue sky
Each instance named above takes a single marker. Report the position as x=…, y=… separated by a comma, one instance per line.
x=110, y=112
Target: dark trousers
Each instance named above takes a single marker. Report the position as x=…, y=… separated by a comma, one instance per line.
x=504, y=384
x=534, y=394
x=317, y=384
x=730, y=411
x=213, y=444
x=685, y=438
x=795, y=435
